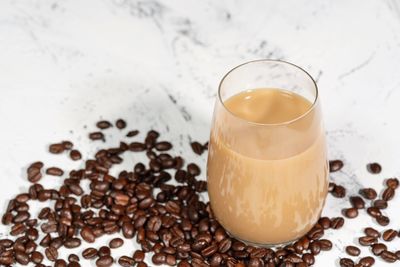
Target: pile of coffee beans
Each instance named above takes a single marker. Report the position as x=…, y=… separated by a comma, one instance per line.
x=157, y=203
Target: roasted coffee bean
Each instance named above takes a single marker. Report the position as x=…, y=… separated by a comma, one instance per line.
x=54, y=171
x=137, y=147
x=335, y=165
x=89, y=253
x=398, y=254
x=339, y=191
x=331, y=187
x=197, y=148
x=372, y=232
x=72, y=243
x=6, y=260
x=73, y=264
x=75, y=154
x=51, y=253
x=383, y=220
x=350, y=212
x=193, y=169
x=388, y=256
x=126, y=261
x=163, y=146
x=346, y=262
x=21, y=257
x=138, y=256
x=374, y=212
x=380, y=204
x=56, y=148
x=367, y=240
x=378, y=248
x=353, y=251
x=36, y=257
x=315, y=248
x=392, y=183
x=357, y=202
x=389, y=235
x=34, y=174
x=87, y=234
x=388, y=194
x=103, y=124
x=104, y=251
x=367, y=261
x=60, y=263
x=368, y=193
x=120, y=123
x=325, y=222
x=159, y=258
x=73, y=257
x=374, y=168
x=325, y=244
x=132, y=133
x=315, y=233
x=116, y=243
x=104, y=261
x=337, y=222
x=96, y=136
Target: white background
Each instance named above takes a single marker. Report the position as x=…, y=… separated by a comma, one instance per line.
x=66, y=64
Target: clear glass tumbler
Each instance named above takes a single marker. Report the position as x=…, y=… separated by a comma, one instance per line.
x=267, y=176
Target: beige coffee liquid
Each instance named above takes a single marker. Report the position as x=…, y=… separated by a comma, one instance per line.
x=262, y=192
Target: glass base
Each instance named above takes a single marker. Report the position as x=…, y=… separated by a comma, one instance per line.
x=262, y=245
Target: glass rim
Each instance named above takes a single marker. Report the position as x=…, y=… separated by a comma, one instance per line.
x=309, y=110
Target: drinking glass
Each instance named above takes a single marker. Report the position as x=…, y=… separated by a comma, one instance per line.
x=267, y=182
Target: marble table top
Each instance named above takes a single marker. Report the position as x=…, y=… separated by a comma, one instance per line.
x=66, y=64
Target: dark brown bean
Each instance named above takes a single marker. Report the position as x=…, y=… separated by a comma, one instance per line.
x=73, y=257
x=378, y=248
x=325, y=244
x=51, y=253
x=380, y=204
x=392, y=183
x=389, y=235
x=104, y=251
x=126, y=261
x=368, y=193
x=388, y=194
x=137, y=147
x=56, y=148
x=89, y=253
x=193, y=169
x=350, y=212
x=75, y=155
x=372, y=232
x=374, y=212
x=159, y=258
x=54, y=171
x=103, y=124
x=383, y=220
x=60, y=263
x=337, y=222
x=339, y=191
x=353, y=251
x=116, y=243
x=72, y=243
x=367, y=261
x=346, y=262
x=163, y=146
x=120, y=123
x=197, y=148
x=357, y=202
x=96, y=136
x=104, y=261
x=367, y=240
x=36, y=257
x=388, y=256
x=335, y=165
x=374, y=168
x=21, y=257
x=132, y=133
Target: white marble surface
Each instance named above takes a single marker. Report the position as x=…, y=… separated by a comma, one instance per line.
x=66, y=64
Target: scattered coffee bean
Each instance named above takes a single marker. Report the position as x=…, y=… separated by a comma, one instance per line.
x=132, y=133
x=75, y=155
x=51, y=253
x=346, y=262
x=103, y=125
x=392, y=183
x=388, y=256
x=126, y=261
x=56, y=148
x=374, y=212
x=96, y=136
x=350, y=212
x=325, y=244
x=54, y=171
x=104, y=261
x=120, y=123
x=383, y=220
x=89, y=253
x=337, y=223
x=339, y=191
x=374, y=168
x=378, y=248
x=353, y=251
x=380, y=204
x=372, y=232
x=116, y=243
x=335, y=165
x=163, y=146
x=367, y=240
x=197, y=148
x=357, y=202
x=388, y=194
x=368, y=193
x=73, y=257
x=367, y=261
x=389, y=235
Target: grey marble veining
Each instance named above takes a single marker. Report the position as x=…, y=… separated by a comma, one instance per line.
x=66, y=64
